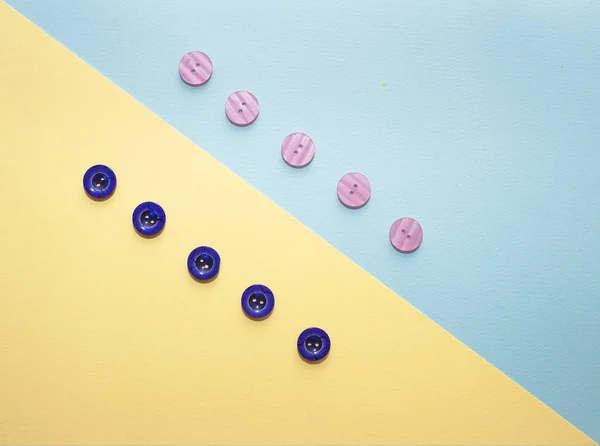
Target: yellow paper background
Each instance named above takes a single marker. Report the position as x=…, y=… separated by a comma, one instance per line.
x=104, y=337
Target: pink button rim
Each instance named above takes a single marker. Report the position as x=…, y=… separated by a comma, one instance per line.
x=357, y=198
x=182, y=66
x=412, y=230
x=232, y=109
x=290, y=154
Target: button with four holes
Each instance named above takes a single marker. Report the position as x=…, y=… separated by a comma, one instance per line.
x=195, y=68
x=258, y=301
x=313, y=344
x=149, y=219
x=204, y=263
x=298, y=150
x=99, y=182
x=406, y=235
x=241, y=108
x=354, y=190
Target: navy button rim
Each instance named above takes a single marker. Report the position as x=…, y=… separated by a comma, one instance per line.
x=269, y=301
x=136, y=219
x=197, y=273
x=88, y=184
x=308, y=355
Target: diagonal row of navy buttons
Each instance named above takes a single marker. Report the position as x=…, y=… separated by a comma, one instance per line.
x=203, y=263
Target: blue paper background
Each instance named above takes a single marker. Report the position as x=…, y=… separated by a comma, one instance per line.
x=487, y=133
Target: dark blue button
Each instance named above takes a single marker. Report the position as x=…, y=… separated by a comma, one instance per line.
x=203, y=263
x=99, y=182
x=313, y=344
x=149, y=219
x=258, y=301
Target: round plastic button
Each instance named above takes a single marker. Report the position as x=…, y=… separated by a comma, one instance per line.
x=354, y=190
x=406, y=235
x=313, y=344
x=298, y=150
x=258, y=301
x=195, y=68
x=203, y=263
x=99, y=182
x=149, y=219
x=241, y=108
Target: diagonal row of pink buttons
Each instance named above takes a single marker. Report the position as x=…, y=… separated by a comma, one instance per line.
x=298, y=150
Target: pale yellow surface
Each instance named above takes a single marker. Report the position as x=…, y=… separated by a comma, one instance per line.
x=104, y=337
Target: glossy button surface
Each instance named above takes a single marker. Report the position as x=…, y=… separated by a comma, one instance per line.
x=313, y=344
x=99, y=182
x=258, y=301
x=195, y=68
x=149, y=219
x=204, y=263
x=354, y=190
x=242, y=108
x=298, y=150
x=406, y=235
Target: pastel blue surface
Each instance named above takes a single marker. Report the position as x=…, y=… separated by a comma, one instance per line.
x=487, y=133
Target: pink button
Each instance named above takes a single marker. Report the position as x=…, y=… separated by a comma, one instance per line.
x=241, y=108
x=354, y=190
x=195, y=68
x=406, y=234
x=298, y=150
